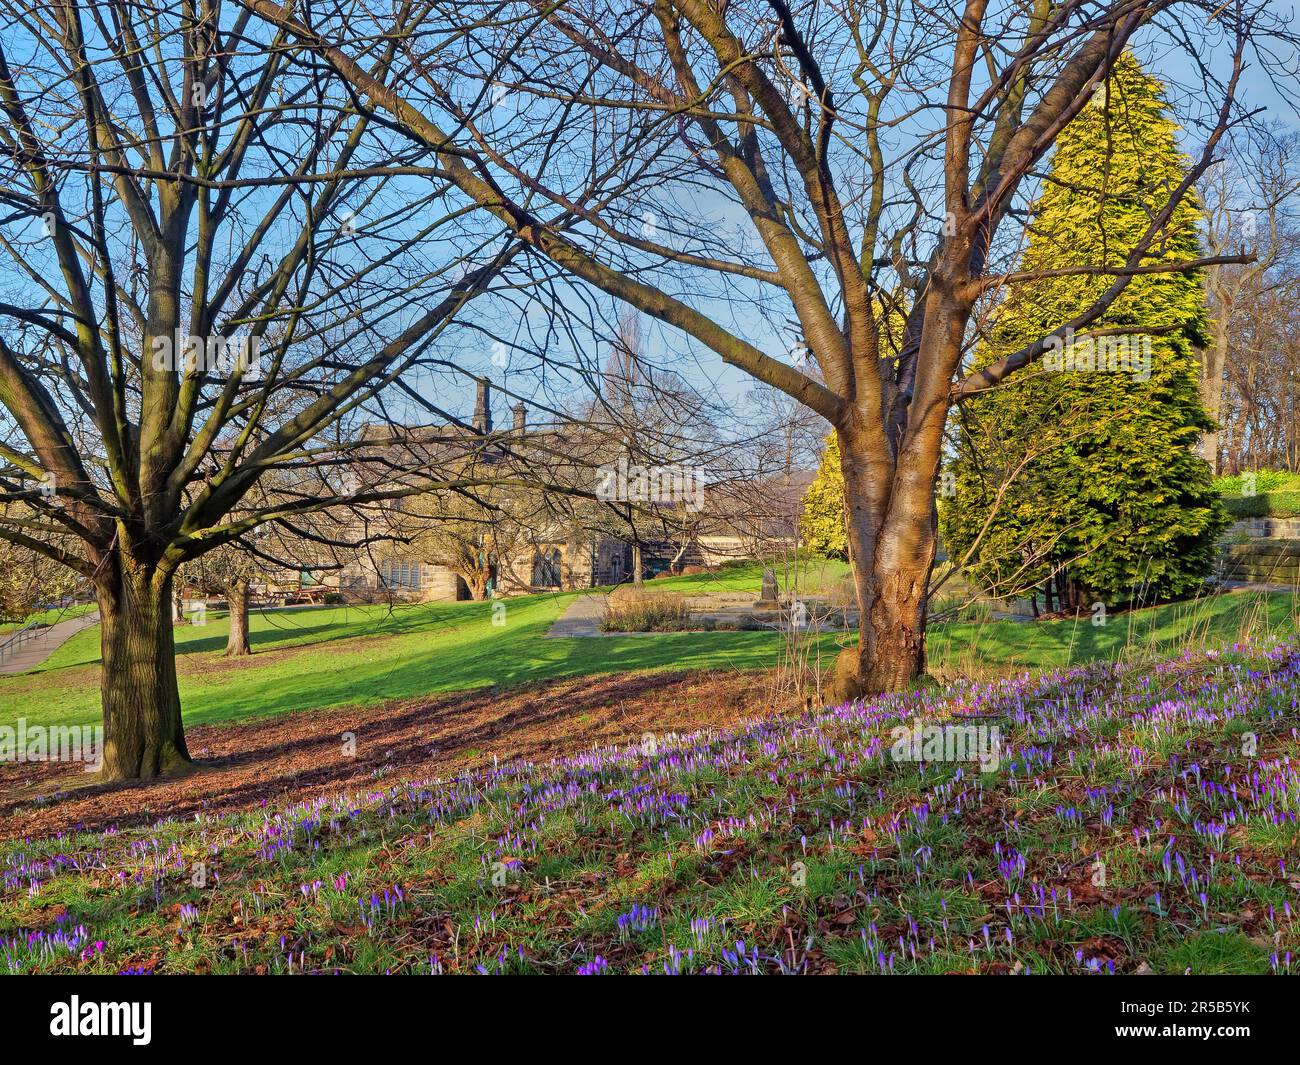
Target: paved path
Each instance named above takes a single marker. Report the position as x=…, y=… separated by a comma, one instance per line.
x=1257, y=586
x=20, y=656
x=582, y=617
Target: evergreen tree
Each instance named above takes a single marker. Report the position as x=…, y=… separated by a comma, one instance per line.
x=822, y=527
x=1085, y=462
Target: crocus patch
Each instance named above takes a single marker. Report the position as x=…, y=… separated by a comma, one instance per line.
x=1141, y=816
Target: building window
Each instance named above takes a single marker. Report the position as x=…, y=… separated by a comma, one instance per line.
x=399, y=573
x=546, y=568
x=611, y=564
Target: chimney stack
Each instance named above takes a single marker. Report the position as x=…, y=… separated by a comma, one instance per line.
x=521, y=416
x=483, y=408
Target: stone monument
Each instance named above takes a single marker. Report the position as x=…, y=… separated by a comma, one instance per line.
x=769, y=596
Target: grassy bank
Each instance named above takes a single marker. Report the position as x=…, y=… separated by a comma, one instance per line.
x=1088, y=840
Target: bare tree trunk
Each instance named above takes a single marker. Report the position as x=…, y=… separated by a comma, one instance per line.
x=893, y=556
x=143, y=733
x=891, y=643
x=1213, y=360
x=237, y=597
x=638, y=568
x=890, y=514
x=476, y=580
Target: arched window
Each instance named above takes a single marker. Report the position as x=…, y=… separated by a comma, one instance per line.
x=546, y=568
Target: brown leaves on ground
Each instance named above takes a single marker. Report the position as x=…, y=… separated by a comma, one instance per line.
x=298, y=756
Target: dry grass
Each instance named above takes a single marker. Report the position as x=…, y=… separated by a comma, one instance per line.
x=633, y=609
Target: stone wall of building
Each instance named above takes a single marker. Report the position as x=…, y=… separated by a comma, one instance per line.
x=515, y=573
x=578, y=564
x=613, y=562
x=440, y=583
x=412, y=581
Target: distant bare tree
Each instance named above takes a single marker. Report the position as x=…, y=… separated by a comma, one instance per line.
x=229, y=570
x=30, y=581
x=1250, y=203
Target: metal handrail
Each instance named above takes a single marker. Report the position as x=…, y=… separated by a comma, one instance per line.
x=19, y=635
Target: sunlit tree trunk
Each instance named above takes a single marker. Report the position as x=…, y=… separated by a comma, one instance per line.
x=237, y=597
x=890, y=516
x=1214, y=359
x=476, y=580
x=143, y=735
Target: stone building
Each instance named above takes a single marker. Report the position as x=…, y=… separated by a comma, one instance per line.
x=527, y=548
x=536, y=544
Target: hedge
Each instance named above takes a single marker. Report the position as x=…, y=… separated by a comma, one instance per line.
x=1264, y=505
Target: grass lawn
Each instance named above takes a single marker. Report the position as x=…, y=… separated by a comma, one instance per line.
x=1265, y=481
x=338, y=656
x=813, y=575
x=971, y=646
x=335, y=656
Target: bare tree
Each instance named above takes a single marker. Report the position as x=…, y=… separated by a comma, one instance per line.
x=229, y=570
x=31, y=581
x=205, y=280
x=1249, y=204
x=842, y=163
x=1261, y=408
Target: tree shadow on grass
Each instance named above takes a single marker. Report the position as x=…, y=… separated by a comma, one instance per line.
x=303, y=755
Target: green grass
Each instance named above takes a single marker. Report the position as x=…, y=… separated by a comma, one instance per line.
x=349, y=656
x=968, y=646
x=1273, y=493
x=813, y=575
x=1264, y=505
x=340, y=656
x=1264, y=481
x=1215, y=954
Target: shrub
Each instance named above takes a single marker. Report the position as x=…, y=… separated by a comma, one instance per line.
x=632, y=609
x=1246, y=506
x=821, y=529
